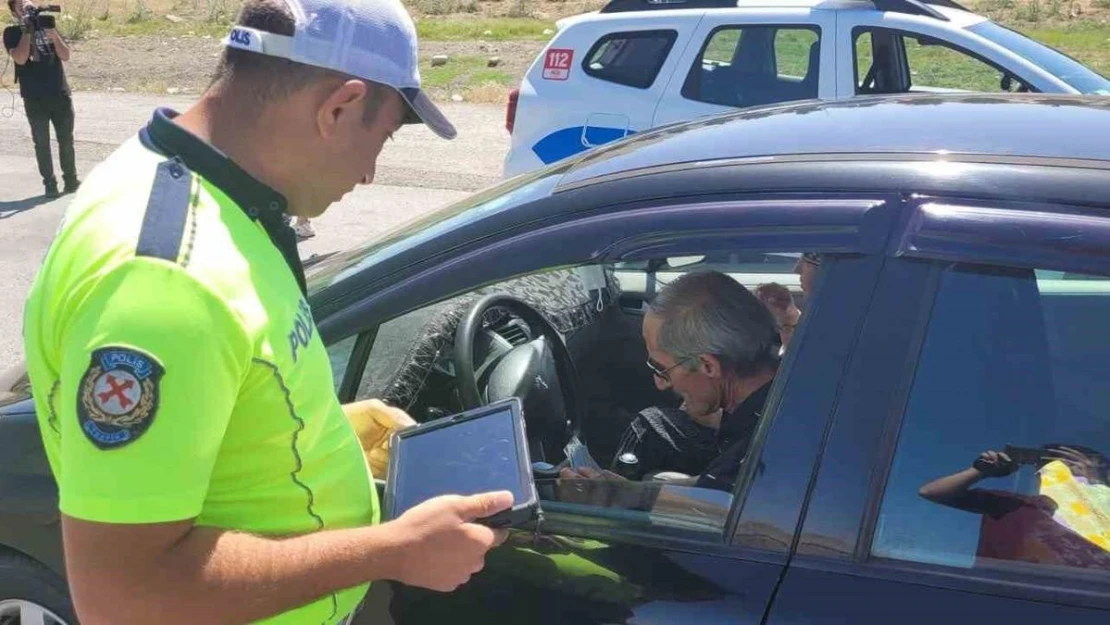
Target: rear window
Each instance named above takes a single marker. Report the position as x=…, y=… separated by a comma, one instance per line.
x=632, y=59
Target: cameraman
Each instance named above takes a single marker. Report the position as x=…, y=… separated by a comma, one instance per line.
x=38, y=54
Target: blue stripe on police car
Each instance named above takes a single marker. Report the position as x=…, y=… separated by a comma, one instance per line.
x=568, y=141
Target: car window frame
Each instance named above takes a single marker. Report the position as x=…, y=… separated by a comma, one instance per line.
x=902, y=32
x=695, y=65
x=356, y=364
x=923, y=249
x=670, y=34
x=768, y=220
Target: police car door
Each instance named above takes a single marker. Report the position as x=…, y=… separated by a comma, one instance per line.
x=750, y=57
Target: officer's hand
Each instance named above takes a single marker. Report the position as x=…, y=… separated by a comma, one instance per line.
x=374, y=422
x=442, y=546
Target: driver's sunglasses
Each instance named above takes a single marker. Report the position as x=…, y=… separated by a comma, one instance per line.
x=660, y=372
x=812, y=258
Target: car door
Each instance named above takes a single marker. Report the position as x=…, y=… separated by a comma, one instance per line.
x=692, y=555
x=985, y=336
x=751, y=57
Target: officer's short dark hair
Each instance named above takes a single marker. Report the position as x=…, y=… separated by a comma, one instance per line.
x=266, y=78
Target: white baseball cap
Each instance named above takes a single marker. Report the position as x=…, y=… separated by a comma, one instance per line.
x=370, y=39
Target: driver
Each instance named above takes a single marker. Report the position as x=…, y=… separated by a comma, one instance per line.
x=714, y=344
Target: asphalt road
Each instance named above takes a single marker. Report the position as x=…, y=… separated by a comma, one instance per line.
x=418, y=173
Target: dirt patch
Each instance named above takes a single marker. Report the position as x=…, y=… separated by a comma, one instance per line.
x=143, y=64
x=184, y=65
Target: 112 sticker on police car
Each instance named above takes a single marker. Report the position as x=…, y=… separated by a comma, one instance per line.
x=118, y=396
x=556, y=63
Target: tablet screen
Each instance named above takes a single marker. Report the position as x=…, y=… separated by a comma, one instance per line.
x=465, y=458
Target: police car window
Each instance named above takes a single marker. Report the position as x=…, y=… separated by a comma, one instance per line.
x=632, y=59
x=750, y=65
x=1002, y=459
x=793, y=51
x=934, y=66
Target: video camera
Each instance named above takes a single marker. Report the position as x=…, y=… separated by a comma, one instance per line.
x=40, y=17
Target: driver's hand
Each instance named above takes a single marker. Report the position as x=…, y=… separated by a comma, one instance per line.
x=374, y=422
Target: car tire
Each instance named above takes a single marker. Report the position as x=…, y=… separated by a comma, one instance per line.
x=26, y=585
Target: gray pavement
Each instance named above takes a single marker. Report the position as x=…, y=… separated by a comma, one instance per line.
x=417, y=173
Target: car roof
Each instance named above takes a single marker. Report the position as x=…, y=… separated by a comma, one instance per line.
x=946, y=10
x=1006, y=126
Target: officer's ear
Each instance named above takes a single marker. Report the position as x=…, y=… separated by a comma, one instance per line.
x=341, y=106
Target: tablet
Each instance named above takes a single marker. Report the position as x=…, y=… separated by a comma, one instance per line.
x=472, y=452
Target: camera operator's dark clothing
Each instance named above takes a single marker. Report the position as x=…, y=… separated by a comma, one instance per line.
x=46, y=100
x=42, y=76
x=733, y=439
x=41, y=113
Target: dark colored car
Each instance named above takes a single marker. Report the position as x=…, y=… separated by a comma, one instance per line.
x=961, y=306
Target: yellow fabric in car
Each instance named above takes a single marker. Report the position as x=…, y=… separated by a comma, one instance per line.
x=1082, y=507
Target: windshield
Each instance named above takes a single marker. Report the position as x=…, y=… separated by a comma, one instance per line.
x=1082, y=78
x=423, y=228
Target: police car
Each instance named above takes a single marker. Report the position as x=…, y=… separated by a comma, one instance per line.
x=638, y=64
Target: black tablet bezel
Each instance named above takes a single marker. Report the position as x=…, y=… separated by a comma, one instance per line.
x=522, y=512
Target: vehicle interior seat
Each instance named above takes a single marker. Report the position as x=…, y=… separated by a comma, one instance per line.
x=809, y=82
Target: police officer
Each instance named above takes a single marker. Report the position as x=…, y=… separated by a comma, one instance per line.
x=206, y=471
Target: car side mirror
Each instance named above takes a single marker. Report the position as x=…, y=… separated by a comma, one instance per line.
x=1007, y=82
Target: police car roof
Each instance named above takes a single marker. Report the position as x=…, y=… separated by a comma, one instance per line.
x=1013, y=125
x=948, y=10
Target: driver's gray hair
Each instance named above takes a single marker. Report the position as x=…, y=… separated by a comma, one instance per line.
x=710, y=313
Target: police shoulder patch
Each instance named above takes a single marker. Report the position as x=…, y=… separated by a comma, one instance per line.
x=118, y=396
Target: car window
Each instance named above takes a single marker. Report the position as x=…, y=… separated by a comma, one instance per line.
x=1001, y=461
x=675, y=459
x=632, y=59
x=792, y=52
x=750, y=65
x=1049, y=59
x=671, y=485
x=339, y=354
x=934, y=66
x=751, y=269
x=937, y=66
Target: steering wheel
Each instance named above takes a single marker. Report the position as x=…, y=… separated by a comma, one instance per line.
x=540, y=373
